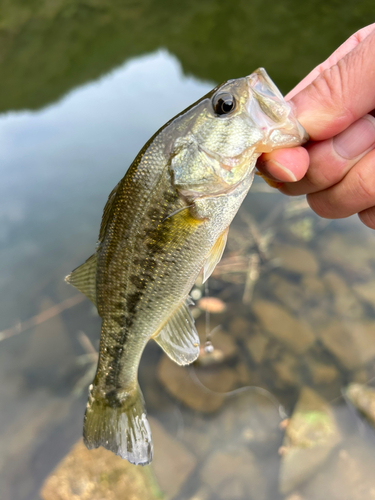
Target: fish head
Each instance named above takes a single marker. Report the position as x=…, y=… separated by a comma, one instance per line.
x=223, y=134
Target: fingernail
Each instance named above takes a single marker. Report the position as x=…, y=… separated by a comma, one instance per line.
x=356, y=139
x=283, y=168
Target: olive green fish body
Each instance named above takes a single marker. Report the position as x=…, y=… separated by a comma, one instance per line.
x=165, y=221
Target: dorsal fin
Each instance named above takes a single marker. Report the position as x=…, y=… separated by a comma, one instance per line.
x=84, y=278
x=215, y=255
x=107, y=211
x=179, y=338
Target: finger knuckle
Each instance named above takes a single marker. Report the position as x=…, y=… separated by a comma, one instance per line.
x=331, y=90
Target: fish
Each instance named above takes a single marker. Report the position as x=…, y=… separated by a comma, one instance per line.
x=165, y=222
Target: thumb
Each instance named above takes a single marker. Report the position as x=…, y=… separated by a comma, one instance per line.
x=340, y=95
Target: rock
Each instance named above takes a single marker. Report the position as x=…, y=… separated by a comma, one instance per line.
x=360, y=376
x=172, y=463
x=321, y=373
x=240, y=328
x=223, y=345
x=296, y=259
x=249, y=417
x=293, y=332
x=294, y=496
x=202, y=494
x=351, y=255
x=366, y=291
x=352, y=342
x=349, y=475
x=363, y=398
x=234, y=474
x=346, y=304
x=287, y=371
x=303, y=228
x=309, y=439
x=212, y=305
x=98, y=475
x=197, y=389
x=289, y=294
x=312, y=287
x=256, y=345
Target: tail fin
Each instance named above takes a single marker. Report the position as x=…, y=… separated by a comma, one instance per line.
x=122, y=427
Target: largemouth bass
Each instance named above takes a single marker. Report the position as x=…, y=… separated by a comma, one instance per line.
x=164, y=222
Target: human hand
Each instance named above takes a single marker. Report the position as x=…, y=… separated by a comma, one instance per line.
x=335, y=104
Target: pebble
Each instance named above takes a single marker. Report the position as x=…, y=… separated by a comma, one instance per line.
x=321, y=373
x=98, y=475
x=363, y=398
x=256, y=346
x=234, y=474
x=197, y=389
x=212, y=305
x=172, y=463
x=348, y=475
x=292, y=331
x=310, y=437
x=366, y=291
x=296, y=259
x=351, y=342
x=286, y=370
x=223, y=346
x=352, y=256
x=240, y=328
x=346, y=304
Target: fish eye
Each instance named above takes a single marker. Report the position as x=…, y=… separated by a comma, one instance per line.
x=223, y=103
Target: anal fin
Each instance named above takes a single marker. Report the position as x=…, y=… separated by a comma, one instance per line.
x=179, y=338
x=84, y=278
x=215, y=255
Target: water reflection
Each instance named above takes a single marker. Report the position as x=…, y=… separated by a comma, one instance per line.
x=296, y=320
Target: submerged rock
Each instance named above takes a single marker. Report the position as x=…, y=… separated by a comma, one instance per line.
x=222, y=347
x=250, y=417
x=366, y=291
x=346, y=304
x=348, y=475
x=234, y=474
x=289, y=294
x=240, y=328
x=172, y=463
x=353, y=257
x=256, y=346
x=98, y=475
x=310, y=437
x=293, y=332
x=212, y=305
x=321, y=373
x=296, y=259
x=198, y=389
x=351, y=342
x=287, y=371
x=363, y=398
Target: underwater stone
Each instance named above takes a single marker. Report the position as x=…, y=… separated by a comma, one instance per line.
x=293, y=332
x=310, y=437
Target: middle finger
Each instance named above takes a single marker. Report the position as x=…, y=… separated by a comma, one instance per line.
x=332, y=159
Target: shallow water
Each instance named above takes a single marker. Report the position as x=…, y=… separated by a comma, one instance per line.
x=83, y=85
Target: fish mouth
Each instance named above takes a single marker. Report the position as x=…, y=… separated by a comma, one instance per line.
x=275, y=116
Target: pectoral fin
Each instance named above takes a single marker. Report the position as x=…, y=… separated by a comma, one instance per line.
x=179, y=338
x=215, y=255
x=84, y=278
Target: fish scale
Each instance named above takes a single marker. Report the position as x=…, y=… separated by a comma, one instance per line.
x=164, y=222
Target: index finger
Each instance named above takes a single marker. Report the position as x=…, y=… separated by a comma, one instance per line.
x=339, y=53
